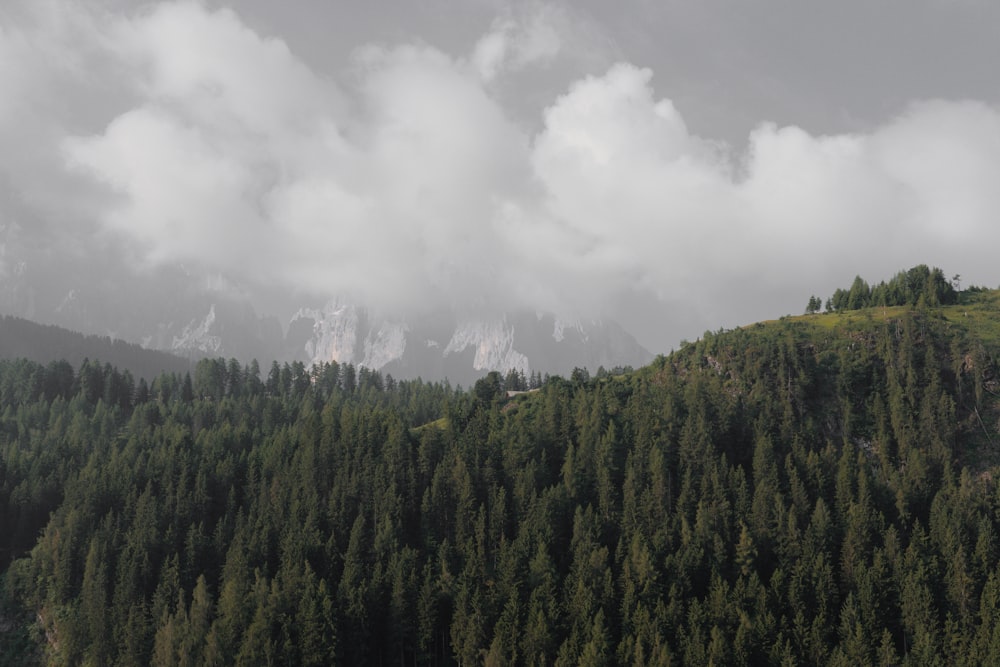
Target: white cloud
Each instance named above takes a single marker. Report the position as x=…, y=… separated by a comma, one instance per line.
x=621, y=170
x=947, y=157
x=50, y=53
x=182, y=195
x=408, y=182
x=513, y=43
x=491, y=51
x=219, y=73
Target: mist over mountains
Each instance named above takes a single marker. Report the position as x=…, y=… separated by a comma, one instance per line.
x=195, y=316
x=462, y=347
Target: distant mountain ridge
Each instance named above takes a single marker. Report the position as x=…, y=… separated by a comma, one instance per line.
x=193, y=315
x=43, y=343
x=460, y=347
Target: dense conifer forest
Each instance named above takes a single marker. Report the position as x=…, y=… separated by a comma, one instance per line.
x=818, y=490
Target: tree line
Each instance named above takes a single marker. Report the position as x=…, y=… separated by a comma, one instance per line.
x=918, y=286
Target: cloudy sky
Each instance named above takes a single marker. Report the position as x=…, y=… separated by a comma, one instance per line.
x=678, y=166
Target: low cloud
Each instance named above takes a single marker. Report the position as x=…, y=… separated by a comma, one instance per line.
x=407, y=182
x=514, y=43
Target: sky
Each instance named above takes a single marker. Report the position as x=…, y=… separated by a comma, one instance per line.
x=677, y=166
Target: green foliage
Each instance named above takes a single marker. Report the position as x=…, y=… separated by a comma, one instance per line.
x=917, y=286
x=819, y=490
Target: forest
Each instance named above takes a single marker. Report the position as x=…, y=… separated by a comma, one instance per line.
x=919, y=286
x=816, y=490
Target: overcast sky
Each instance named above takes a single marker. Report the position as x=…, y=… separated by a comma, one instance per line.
x=678, y=166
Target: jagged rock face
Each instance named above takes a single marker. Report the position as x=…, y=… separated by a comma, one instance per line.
x=345, y=333
x=198, y=336
x=219, y=329
x=493, y=343
x=462, y=348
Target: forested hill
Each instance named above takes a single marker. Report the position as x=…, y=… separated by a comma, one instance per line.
x=24, y=339
x=815, y=490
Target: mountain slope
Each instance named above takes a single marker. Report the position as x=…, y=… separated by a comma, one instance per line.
x=859, y=368
x=812, y=490
x=169, y=310
x=23, y=339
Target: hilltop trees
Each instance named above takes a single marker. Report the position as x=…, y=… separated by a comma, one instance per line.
x=917, y=286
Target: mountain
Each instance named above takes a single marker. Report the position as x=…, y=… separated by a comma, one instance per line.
x=221, y=328
x=23, y=339
x=461, y=348
x=196, y=316
x=170, y=310
x=819, y=489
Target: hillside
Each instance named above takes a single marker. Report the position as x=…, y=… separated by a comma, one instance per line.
x=23, y=339
x=959, y=343
x=813, y=490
